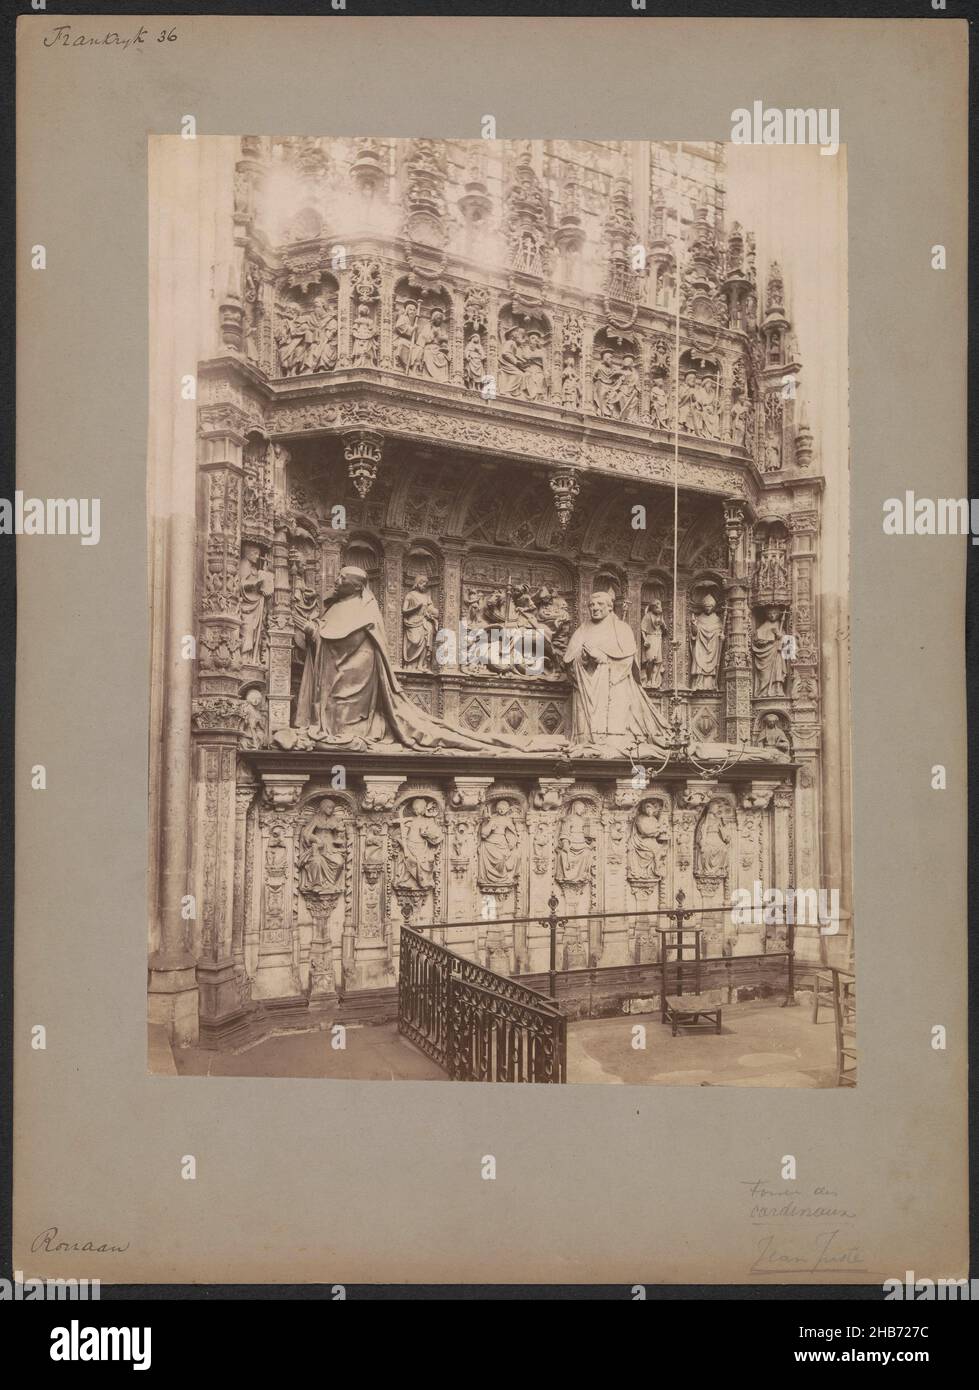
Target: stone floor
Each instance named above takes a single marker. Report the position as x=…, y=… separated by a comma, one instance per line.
x=759, y=1046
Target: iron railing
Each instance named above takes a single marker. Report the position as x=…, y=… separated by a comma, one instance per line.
x=477, y=1025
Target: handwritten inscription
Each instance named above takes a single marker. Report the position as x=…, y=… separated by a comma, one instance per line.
x=51, y=1242
x=802, y=1231
x=65, y=36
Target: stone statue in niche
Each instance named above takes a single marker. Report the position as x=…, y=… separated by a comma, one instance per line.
x=256, y=590
x=705, y=399
x=474, y=362
x=430, y=355
x=712, y=844
x=363, y=337
x=322, y=852
x=611, y=714
x=767, y=655
x=772, y=735
x=405, y=331
x=706, y=637
x=570, y=385
x=651, y=628
x=625, y=398
x=659, y=405
x=522, y=367
x=687, y=406
x=605, y=380
x=575, y=847
x=499, y=847
x=420, y=622
x=307, y=337
x=535, y=368
x=253, y=721
x=739, y=422
x=417, y=845
x=649, y=843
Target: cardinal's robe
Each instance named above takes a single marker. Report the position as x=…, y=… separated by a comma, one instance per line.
x=609, y=708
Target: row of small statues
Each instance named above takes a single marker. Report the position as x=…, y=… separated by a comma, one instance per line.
x=323, y=849
x=307, y=341
x=545, y=613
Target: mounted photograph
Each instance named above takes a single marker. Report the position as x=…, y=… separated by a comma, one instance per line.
x=499, y=640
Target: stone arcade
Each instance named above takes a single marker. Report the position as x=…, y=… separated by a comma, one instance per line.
x=434, y=367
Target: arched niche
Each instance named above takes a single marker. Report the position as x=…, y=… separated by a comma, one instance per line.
x=421, y=331
x=366, y=553
x=524, y=359
x=306, y=328
x=616, y=376
x=699, y=401
x=655, y=631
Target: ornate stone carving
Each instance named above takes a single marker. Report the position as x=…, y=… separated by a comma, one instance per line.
x=576, y=847
x=649, y=842
x=499, y=848
x=706, y=638
x=362, y=450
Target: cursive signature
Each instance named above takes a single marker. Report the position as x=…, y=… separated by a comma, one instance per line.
x=820, y=1254
x=48, y=1240
x=63, y=37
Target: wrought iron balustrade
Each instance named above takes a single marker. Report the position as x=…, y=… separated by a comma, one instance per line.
x=477, y=1025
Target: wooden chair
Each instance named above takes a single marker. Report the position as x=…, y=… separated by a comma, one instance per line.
x=685, y=1010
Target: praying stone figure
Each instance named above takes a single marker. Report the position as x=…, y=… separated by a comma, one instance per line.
x=256, y=590
x=712, y=846
x=499, y=848
x=350, y=696
x=322, y=852
x=706, y=636
x=651, y=629
x=512, y=363
x=773, y=736
x=417, y=847
x=610, y=712
x=767, y=656
x=420, y=622
x=575, y=847
x=649, y=843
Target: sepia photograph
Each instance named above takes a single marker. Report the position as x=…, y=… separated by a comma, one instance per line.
x=499, y=541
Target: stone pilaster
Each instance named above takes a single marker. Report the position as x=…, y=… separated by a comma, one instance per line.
x=277, y=970
x=281, y=631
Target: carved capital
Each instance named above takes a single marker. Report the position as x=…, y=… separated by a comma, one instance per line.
x=627, y=794
x=551, y=793
x=757, y=796
x=283, y=789
x=697, y=791
x=470, y=792
x=380, y=792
